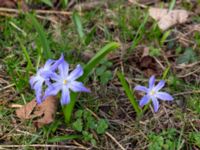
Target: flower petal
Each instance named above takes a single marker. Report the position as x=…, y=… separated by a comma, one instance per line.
x=160, y=85
x=55, y=77
x=47, y=82
x=58, y=62
x=63, y=69
x=33, y=80
x=141, y=88
x=151, y=82
x=78, y=87
x=38, y=91
x=76, y=73
x=164, y=96
x=48, y=64
x=52, y=90
x=65, y=98
x=155, y=103
x=145, y=99
x=46, y=74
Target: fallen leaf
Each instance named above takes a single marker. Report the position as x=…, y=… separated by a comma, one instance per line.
x=8, y=3
x=25, y=111
x=167, y=18
x=148, y=64
x=41, y=114
x=48, y=110
x=14, y=4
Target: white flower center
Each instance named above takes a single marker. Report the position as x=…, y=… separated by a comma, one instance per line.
x=152, y=92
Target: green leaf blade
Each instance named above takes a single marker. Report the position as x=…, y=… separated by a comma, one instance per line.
x=42, y=36
x=79, y=27
x=63, y=138
x=98, y=57
x=129, y=93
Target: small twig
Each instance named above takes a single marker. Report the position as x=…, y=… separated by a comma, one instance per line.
x=168, y=115
x=40, y=145
x=5, y=135
x=80, y=145
x=110, y=136
x=187, y=92
x=7, y=14
x=137, y=4
x=11, y=10
x=15, y=106
x=107, y=133
x=46, y=18
x=183, y=66
x=6, y=87
x=163, y=68
x=188, y=74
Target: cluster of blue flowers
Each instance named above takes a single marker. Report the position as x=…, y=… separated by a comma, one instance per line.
x=54, y=76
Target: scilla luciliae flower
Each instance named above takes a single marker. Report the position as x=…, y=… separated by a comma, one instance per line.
x=153, y=93
x=64, y=81
x=42, y=77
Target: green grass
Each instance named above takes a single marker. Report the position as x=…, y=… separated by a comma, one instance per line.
x=26, y=43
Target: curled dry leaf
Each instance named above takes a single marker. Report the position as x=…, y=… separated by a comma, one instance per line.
x=167, y=18
x=48, y=110
x=8, y=3
x=25, y=111
x=41, y=114
x=148, y=64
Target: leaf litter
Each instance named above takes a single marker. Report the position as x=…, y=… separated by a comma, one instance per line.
x=167, y=19
x=41, y=114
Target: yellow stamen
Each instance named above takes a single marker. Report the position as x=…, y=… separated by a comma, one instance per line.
x=152, y=92
x=65, y=82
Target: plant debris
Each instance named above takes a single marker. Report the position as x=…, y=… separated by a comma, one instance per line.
x=167, y=19
x=44, y=112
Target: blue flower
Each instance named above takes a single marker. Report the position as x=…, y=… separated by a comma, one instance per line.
x=65, y=82
x=42, y=76
x=152, y=93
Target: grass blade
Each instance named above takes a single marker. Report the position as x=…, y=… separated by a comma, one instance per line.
x=87, y=70
x=42, y=36
x=79, y=27
x=139, y=32
x=129, y=94
x=63, y=138
x=64, y=3
x=48, y=2
x=98, y=57
x=172, y=4
x=27, y=57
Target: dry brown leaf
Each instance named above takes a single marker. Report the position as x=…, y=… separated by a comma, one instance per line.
x=8, y=3
x=14, y=4
x=148, y=64
x=167, y=18
x=25, y=111
x=48, y=110
x=44, y=112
